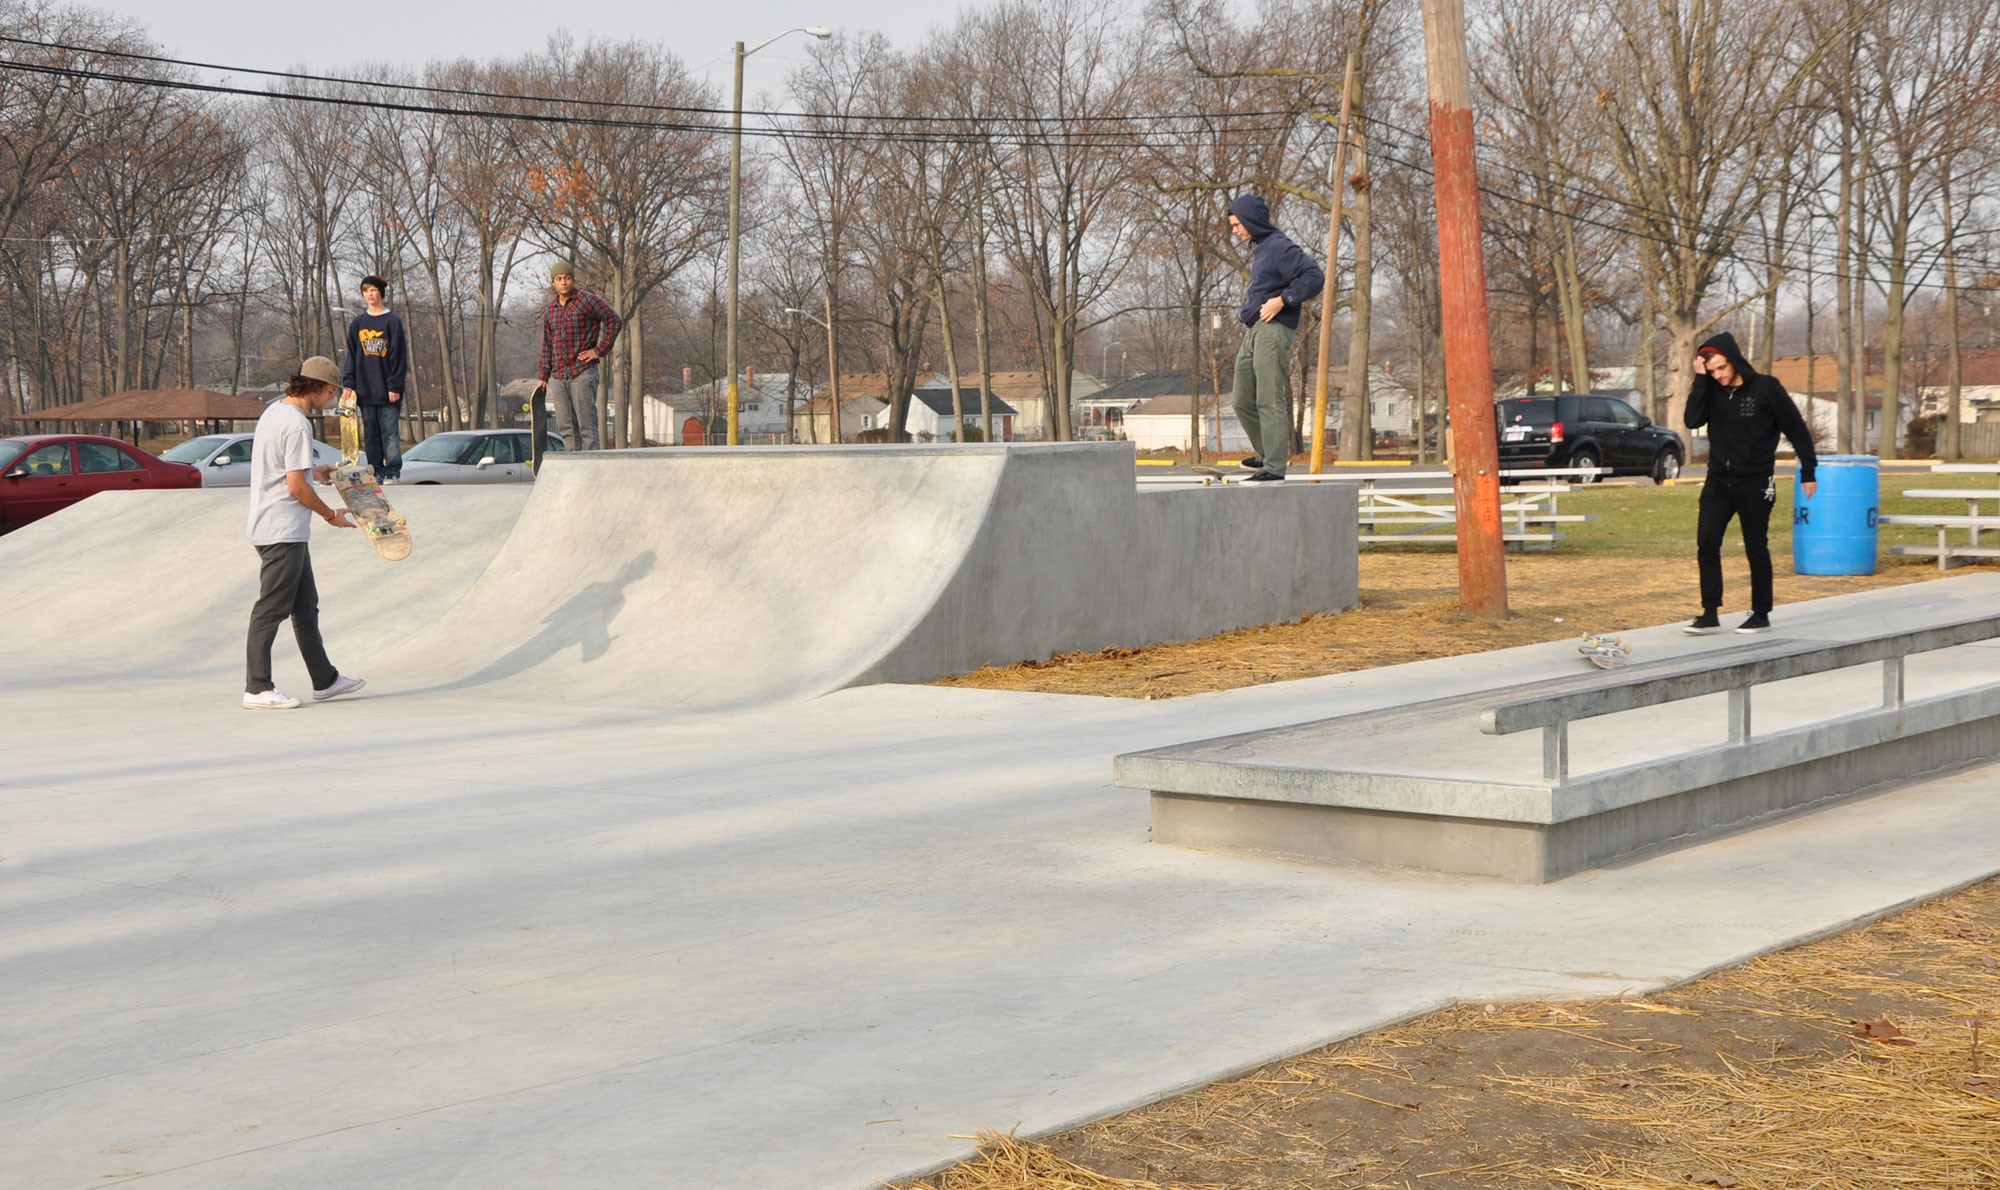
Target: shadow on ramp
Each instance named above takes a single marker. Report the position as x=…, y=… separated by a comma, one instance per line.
x=583, y=622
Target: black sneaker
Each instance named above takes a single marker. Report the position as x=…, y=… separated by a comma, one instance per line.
x=1758, y=622
x=1253, y=463
x=1704, y=624
x=1263, y=477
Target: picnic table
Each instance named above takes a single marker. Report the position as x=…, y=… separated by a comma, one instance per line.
x=1982, y=513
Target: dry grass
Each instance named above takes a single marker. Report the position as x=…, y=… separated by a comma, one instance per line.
x=1409, y=612
x=1864, y=1060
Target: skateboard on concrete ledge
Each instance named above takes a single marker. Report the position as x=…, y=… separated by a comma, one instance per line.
x=1214, y=475
x=1605, y=652
x=354, y=479
x=539, y=427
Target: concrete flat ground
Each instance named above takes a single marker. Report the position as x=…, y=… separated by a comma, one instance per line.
x=453, y=939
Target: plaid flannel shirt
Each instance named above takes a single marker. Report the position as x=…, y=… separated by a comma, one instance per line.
x=569, y=327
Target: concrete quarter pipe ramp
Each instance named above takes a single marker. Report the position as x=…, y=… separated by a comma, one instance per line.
x=716, y=578
x=722, y=577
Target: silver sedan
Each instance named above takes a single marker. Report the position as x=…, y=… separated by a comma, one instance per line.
x=474, y=456
x=224, y=459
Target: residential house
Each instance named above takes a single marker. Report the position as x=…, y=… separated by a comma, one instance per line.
x=1161, y=423
x=864, y=404
x=928, y=418
x=701, y=416
x=1978, y=384
x=1813, y=382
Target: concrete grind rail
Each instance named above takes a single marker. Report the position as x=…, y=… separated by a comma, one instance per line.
x=1664, y=763
x=475, y=936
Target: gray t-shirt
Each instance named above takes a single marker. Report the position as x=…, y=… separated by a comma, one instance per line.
x=283, y=444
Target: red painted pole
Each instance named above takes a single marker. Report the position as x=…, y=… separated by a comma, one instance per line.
x=1468, y=348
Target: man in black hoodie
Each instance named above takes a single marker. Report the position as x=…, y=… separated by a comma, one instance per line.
x=1282, y=279
x=1744, y=412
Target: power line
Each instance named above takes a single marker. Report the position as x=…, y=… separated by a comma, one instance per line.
x=626, y=105
x=1070, y=138
x=1809, y=270
x=1769, y=240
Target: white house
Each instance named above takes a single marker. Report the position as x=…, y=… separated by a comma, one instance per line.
x=1161, y=423
x=701, y=416
x=928, y=418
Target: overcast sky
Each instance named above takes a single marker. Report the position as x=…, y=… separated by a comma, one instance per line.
x=282, y=35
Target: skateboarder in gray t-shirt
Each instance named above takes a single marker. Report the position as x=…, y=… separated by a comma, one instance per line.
x=282, y=506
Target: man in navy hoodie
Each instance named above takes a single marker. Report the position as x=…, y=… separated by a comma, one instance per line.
x=377, y=364
x=1282, y=279
x=1744, y=412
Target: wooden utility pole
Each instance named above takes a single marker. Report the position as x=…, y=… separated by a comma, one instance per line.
x=1337, y=182
x=1468, y=348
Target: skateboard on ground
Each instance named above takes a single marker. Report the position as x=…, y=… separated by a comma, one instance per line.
x=354, y=479
x=1604, y=651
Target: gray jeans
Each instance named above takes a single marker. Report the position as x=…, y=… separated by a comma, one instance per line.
x=286, y=591
x=574, y=403
x=1260, y=392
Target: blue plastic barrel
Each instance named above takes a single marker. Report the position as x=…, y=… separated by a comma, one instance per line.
x=1834, y=531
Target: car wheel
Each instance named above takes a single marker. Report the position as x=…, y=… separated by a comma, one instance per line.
x=1586, y=461
x=1667, y=466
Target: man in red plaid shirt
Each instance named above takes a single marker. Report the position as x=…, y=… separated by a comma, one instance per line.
x=577, y=330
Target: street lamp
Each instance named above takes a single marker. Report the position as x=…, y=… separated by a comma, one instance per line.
x=736, y=198
x=832, y=370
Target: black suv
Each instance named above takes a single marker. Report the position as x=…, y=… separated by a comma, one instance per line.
x=1603, y=435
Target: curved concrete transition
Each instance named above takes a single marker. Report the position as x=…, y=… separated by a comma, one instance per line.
x=723, y=577
x=705, y=579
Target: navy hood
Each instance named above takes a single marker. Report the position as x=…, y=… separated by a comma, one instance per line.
x=1255, y=216
x=1726, y=344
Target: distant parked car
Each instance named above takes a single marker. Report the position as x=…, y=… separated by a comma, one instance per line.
x=474, y=456
x=1601, y=435
x=47, y=473
x=224, y=459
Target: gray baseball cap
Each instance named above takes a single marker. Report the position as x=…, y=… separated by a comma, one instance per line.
x=321, y=369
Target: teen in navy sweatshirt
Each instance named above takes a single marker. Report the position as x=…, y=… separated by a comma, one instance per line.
x=376, y=366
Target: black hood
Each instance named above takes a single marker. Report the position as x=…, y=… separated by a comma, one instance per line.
x=1726, y=344
x=1254, y=215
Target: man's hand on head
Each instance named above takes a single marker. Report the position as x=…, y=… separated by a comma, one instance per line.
x=1271, y=309
x=1700, y=364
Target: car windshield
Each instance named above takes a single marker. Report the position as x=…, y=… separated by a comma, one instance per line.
x=1528, y=411
x=194, y=450
x=10, y=449
x=444, y=448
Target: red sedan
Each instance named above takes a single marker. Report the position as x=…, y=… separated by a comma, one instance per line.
x=46, y=473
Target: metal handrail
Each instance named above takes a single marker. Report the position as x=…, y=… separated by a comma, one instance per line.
x=1693, y=677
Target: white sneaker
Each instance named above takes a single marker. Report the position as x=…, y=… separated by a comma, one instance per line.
x=270, y=700
x=341, y=685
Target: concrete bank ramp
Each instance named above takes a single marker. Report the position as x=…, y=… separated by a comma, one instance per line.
x=701, y=579
x=723, y=577
x=159, y=584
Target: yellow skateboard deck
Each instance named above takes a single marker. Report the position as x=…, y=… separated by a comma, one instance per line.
x=382, y=525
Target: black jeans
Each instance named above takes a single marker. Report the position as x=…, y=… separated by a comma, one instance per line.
x=1743, y=499
x=382, y=438
x=287, y=592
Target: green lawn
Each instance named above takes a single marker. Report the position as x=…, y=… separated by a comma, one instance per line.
x=1659, y=522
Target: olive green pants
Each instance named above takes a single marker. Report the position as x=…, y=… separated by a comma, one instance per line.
x=1260, y=392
